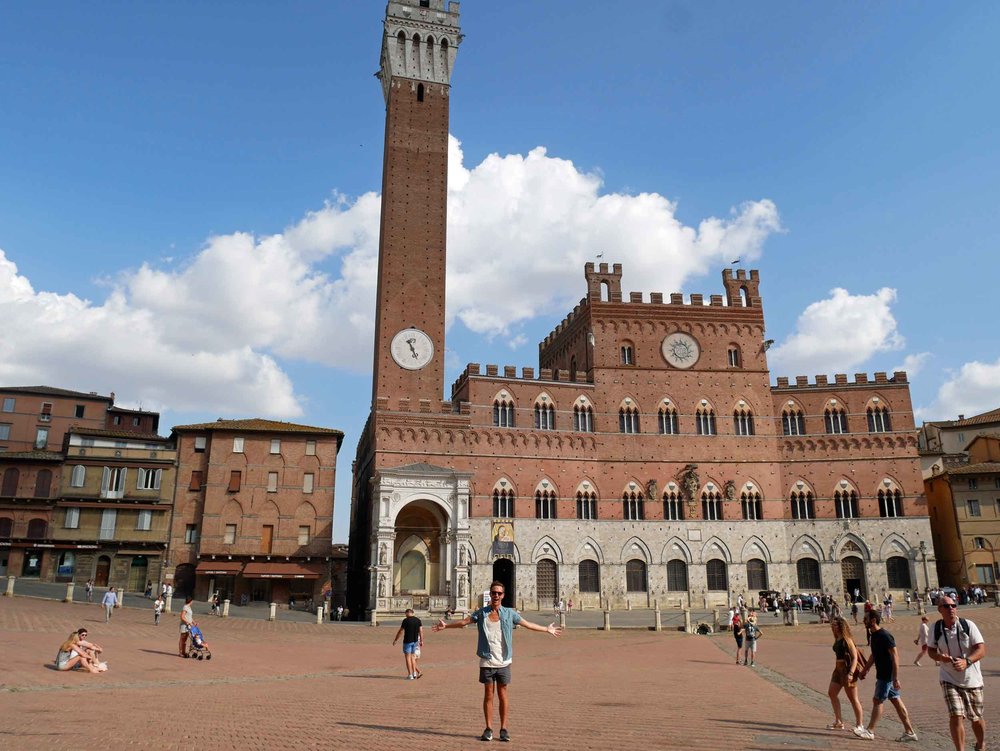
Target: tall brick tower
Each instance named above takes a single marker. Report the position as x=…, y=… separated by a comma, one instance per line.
x=419, y=45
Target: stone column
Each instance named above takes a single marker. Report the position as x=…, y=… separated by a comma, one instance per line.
x=562, y=619
x=9, y=592
x=273, y=614
x=319, y=616
x=225, y=608
x=69, y=592
x=607, y=620
x=168, y=601
x=657, y=621
x=687, y=620
x=121, y=596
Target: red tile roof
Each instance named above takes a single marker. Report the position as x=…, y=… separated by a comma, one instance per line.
x=983, y=468
x=258, y=425
x=52, y=391
x=108, y=433
x=986, y=417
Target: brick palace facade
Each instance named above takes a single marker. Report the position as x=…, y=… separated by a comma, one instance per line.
x=649, y=457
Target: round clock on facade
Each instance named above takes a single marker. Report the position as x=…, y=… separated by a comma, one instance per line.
x=681, y=350
x=411, y=349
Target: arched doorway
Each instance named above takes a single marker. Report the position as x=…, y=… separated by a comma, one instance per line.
x=503, y=572
x=184, y=580
x=137, y=574
x=547, y=583
x=852, y=569
x=418, y=554
x=103, y=572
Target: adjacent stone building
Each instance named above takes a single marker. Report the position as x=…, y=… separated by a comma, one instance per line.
x=112, y=517
x=29, y=483
x=943, y=442
x=648, y=458
x=964, y=504
x=253, y=513
x=35, y=418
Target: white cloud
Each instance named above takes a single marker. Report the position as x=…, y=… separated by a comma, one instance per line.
x=973, y=389
x=522, y=227
x=839, y=333
x=65, y=341
x=913, y=364
x=210, y=333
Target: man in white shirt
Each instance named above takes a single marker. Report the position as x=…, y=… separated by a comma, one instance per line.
x=109, y=602
x=958, y=646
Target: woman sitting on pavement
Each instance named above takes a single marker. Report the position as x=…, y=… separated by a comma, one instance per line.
x=845, y=674
x=70, y=656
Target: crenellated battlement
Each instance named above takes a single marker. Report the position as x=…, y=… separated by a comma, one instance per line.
x=840, y=379
x=509, y=373
x=604, y=286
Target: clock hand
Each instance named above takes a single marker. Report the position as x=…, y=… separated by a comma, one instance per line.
x=412, y=348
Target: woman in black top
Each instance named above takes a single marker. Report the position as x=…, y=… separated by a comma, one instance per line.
x=845, y=674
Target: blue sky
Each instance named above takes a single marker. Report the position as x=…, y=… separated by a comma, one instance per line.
x=188, y=192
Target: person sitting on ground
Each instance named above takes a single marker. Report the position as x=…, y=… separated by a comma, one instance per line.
x=77, y=653
x=91, y=650
x=69, y=657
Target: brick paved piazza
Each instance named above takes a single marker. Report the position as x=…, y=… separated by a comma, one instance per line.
x=295, y=685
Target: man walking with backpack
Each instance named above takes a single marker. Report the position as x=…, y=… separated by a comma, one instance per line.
x=957, y=646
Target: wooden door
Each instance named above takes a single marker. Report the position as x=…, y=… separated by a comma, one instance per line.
x=103, y=571
x=266, y=538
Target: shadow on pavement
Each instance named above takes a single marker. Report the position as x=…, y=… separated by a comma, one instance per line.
x=159, y=652
x=415, y=731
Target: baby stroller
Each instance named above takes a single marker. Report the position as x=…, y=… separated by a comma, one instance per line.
x=197, y=646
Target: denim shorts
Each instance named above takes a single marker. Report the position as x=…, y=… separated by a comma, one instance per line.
x=884, y=691
x=410, y=648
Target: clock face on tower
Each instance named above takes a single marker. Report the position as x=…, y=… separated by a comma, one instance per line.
x=681, y=350
x=411, y=349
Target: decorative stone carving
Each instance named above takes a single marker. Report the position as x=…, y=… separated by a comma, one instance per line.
x=382, y=554
x=729, y=490
x=652, y=490
x=381, y=585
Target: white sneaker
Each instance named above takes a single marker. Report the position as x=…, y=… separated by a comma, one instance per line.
x=864, y=733
x=906, y=737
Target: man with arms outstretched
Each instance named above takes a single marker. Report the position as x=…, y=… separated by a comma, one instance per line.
x=496, y=633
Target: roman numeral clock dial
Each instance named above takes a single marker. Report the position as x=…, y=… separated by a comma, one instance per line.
x=412, y=349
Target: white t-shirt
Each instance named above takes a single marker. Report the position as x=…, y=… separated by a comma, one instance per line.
x=955, y=643
x=924, y=636
x=494, y=636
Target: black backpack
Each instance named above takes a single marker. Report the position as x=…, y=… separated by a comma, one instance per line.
x=939, y=628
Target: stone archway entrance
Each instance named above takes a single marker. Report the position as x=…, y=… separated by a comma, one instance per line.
x=852, y=569
x=422, y=529
x=417, y=553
